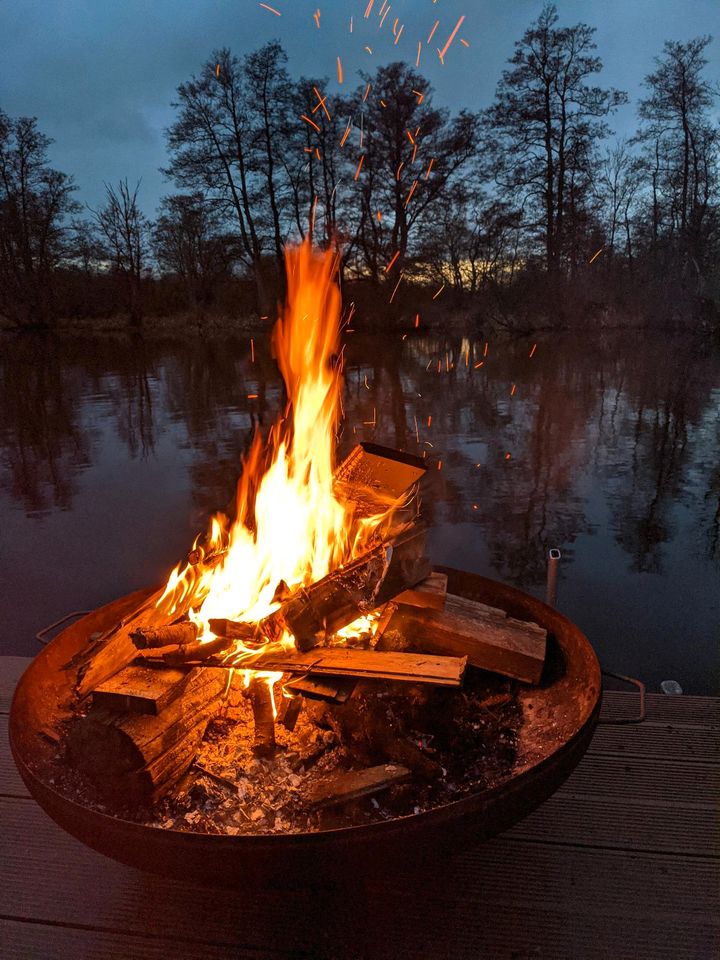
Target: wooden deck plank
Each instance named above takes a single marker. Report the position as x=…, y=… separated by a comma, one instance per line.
x=638, y=778
x=40, y=941
x=703, y=710
x=576, y=900
x=11, y=669
x=682, y=742
x=10, y=783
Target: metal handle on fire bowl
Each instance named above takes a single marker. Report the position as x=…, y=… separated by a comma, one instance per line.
x=620, y=721
x=40, y=635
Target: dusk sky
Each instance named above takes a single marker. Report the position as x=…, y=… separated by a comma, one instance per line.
x=100, y=76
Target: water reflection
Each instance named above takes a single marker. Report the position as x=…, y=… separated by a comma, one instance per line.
x=606, y=446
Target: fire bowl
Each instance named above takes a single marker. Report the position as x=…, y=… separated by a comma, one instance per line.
x=558, y=721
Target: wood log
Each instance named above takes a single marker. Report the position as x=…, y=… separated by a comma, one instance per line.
x=261, y=698
x=140, y=688
x=330, y=689
x=316, y=612
x=114, y=649
x=171, y=635
x=429, y=594
x=373, y=477
x=446, y=671
x=134, y=758
x=289, y=711
x=514, y=648
x=344, y=787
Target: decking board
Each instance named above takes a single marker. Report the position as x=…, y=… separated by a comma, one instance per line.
x=623, y=861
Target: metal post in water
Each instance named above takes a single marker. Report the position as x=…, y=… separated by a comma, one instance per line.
x=553, y=563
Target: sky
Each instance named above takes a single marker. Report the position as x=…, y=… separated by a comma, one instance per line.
x=100, y=75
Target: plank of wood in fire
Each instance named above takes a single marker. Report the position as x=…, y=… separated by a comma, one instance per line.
x=485, y=635
x=140, y=688
x=134, y=758
x=429, y=594
x=344, y=787
x=373, y=477
x=114, y=649
x=318, y=611
x=444, y=671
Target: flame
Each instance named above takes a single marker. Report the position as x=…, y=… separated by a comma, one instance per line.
x=291, y=525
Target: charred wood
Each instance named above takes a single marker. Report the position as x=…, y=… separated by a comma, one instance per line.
x=261, y=698
x=171, y=635
x=344, y=787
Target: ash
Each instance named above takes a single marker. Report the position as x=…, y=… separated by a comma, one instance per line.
x=454, y=742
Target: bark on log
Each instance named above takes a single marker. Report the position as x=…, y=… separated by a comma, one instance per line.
x=486, y=636
x=170, y=635
x=136, y=758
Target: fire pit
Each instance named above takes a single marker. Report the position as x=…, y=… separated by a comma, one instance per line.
x=319, y=586
x=559, y=718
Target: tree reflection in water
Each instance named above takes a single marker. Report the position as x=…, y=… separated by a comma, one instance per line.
x=608, y=445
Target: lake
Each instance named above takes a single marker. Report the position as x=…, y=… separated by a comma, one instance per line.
x=114, y=451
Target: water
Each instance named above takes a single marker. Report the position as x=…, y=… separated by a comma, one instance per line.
x=114, y=452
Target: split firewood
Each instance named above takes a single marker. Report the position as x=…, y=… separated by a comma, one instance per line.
x=329, y=689
x=261, y=698
x=487, y=637
x=429, y=594
x=344, y=787
x=289, y=711
x=444, y=671
x=114, y=649
x=134, y=758
x=373, y=477
x=174, y=634
x=316, y=612
x=141, y=688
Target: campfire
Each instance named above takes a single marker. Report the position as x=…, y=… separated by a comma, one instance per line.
x=305, y=657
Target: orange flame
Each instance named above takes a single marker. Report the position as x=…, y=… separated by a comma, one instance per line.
x=291, y=524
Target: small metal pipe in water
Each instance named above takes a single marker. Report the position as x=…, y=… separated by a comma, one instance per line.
x=553, y=563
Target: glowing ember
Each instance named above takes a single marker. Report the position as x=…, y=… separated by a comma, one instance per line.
x=291, y=525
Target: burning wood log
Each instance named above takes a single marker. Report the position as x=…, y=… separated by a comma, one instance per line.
x=330, y=689
x=261, y=698
x=141, y=689
x=135, y=758
x=289, y=711
x=171, y=635
x=318, y=611
x=372, y=476
x=344, y=787
x=486, y=636
x=429, y=594
x=444, y=671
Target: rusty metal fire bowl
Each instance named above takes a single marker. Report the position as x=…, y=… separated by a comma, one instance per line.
x=559, y=719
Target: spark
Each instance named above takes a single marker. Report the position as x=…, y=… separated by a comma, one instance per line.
x=346, y=134
x=271, y=9
x=397, y=172
x=451, y=37
x=379, y=216
x=432, y=32
x=392, y=296
x=217, y=69
x=252, y=396
x=383, y=18
x=513, y=389
x=412, y=159
x=359, y=166
x=508, y=456
x=486, y=348
x=420, y=96
x=321, y=103
x=478, y=365
x=429, y=420
x=368, y=8
x=429, y=167
x=368, y=88
x=369, y=50
x=595, y=256
x=410, y=137
x=417, y=58
x=312, y=214
x=464, y=42
x=367, y=385
x=439, y=466
x=417, y=432
x=412, y=191
x=339, y=70
x=311, y=122
x=351, y=24
x=399, y=34
x=437, y=294
x=252, y=349
x=417, y=320
x=534, y=348
x=394, y=258
x=316, y=18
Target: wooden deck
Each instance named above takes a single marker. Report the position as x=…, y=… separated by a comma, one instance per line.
x=623, y=862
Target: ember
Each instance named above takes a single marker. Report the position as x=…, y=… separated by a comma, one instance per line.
x=318, y=595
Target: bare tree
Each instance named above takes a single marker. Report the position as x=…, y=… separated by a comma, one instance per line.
x=545, y=123
x=124, y=232
x=35, y=202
